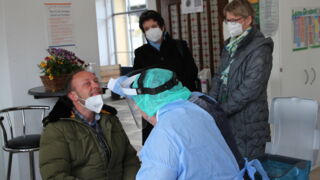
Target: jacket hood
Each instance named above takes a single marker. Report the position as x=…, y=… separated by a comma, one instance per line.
x=258, y=39
x=63, y=109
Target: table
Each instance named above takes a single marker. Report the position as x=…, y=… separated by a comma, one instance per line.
x=40, y=92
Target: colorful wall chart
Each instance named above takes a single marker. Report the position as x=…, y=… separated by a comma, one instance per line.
x=306, y=28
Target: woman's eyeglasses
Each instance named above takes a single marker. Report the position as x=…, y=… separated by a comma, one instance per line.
x=233, y=21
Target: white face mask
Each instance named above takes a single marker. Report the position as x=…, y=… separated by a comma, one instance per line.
x=234, y=28
x=154, y=34
x=93, y=103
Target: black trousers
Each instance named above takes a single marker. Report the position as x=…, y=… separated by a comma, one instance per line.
x=146, y=130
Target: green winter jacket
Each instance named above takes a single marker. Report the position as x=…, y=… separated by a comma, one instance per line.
x=69, y=149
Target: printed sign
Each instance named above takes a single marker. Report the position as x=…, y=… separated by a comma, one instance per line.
x=191, y=6
x=59, y=24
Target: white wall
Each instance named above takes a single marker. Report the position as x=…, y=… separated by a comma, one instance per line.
x=23, y=43
x=151, y=4
x=294, y=63
x=292, y=79
x=5, y=90
x=27, y=41
x=274, y=85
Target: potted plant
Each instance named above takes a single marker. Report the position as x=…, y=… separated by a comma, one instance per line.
x=56, y=68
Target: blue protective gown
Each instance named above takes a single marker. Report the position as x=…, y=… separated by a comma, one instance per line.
x=186, y=144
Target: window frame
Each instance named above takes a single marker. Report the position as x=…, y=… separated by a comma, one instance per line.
x=128, y=12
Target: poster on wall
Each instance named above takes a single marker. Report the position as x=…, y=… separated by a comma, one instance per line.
x=269, y=17
x=306, y=28
x=60, y=26
x=191, y=6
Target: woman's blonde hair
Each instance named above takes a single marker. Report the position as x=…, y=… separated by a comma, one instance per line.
x=239, y=8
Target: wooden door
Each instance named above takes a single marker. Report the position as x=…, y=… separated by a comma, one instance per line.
x=203, y=31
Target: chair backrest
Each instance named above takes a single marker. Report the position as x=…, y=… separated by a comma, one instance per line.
x=109, y=71
x=295, y=128
x=12, y=113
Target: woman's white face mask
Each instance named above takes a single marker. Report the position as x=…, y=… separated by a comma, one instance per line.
x=154, y=34
x=234, y=28
x=93, y=103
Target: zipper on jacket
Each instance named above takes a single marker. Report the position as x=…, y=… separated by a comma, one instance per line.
x=107, y=154
x=103, y=144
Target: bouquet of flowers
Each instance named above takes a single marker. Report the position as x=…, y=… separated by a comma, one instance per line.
x=60, y=62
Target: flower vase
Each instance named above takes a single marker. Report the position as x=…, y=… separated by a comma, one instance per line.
x=56, y=84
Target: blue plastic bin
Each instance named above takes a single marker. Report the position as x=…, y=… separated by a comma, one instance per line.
x=285, y=168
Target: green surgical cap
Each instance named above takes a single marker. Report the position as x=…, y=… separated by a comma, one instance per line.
x=155, y=77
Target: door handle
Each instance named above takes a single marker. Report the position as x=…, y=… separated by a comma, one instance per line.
x=307, y=76
x=314, y=75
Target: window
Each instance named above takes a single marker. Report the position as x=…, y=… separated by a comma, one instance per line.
x=119, y=33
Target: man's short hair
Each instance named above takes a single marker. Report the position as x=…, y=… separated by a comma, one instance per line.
x=69, y=86
x=150, y=14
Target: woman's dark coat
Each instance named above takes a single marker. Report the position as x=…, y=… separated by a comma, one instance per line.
x=247, y=106
x=173, y=55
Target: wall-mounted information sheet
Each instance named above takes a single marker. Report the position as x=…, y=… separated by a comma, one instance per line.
x=59, y=24
x=306, y=28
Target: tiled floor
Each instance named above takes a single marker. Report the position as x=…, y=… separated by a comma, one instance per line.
x=315, y=174
x=127, y=121
x=134, y=133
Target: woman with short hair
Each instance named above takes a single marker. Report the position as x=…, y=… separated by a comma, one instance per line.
x=241, y=83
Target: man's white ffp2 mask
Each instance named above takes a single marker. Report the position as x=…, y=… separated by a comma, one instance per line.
x=154, y=34
x=94, y=103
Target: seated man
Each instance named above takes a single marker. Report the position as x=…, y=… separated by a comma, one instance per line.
x=190, y=140
x=83, y=139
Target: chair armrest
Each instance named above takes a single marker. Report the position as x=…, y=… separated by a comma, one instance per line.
x=3, y=131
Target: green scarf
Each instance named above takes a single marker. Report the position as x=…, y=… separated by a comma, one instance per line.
x=231, y=47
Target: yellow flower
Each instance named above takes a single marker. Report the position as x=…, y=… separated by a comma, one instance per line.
x=60, y=61
x=43, y=64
